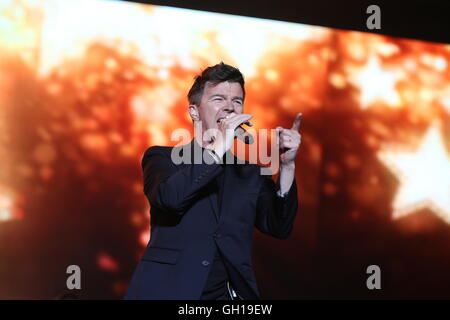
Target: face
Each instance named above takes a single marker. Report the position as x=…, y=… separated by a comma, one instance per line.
x=218, y=101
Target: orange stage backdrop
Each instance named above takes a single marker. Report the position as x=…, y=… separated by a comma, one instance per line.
x=86, y=86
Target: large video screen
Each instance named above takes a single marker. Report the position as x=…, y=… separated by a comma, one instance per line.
x=87, y=86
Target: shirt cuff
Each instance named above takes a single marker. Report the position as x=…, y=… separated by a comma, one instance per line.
x=282, y=195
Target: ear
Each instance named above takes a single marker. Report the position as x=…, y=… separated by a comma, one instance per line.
x=193, y=112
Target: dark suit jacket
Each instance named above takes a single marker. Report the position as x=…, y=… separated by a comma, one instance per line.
x=186, y=222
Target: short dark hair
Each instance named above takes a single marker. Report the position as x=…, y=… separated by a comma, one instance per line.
x=219, y=73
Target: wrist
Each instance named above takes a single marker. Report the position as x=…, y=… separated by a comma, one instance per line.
x=290, y=166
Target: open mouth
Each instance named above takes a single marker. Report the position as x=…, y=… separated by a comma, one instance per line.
x=220, y=119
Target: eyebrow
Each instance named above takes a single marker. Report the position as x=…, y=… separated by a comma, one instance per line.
x=222, y=96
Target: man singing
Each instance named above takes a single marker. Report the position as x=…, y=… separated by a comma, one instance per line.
x=203, y=212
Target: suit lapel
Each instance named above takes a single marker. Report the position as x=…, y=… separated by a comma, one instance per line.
x=214, y=200
x=229, y=177
x=190, y=149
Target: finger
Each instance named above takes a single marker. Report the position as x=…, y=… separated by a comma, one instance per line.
x=237, y=118
x=284, y=138
x=293, y=138
x=284, y=145
x=242, y=116
x=288, y=136
x=289, y=132
x=289, y=145
x=297, y=121
x=240, y=119
x=286, y=133
x=233, y=115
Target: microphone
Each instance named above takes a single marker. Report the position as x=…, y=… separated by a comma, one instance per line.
x=243, y=135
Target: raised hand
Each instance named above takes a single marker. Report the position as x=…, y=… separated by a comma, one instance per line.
x=289, y=141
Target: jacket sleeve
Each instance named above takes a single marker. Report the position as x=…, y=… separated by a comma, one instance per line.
x=275, y=215
x=172, y=189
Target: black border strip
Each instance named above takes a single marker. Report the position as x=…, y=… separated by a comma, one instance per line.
x=416, y=19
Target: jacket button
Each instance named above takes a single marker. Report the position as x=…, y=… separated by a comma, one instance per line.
x=205, y=263
x=217, y=235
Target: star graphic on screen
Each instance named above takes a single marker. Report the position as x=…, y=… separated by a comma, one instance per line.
x=376, y=84
x=424, y=176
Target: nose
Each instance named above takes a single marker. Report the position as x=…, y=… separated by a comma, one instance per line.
x=229, y=107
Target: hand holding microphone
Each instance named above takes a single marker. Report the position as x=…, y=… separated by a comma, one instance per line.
x=243, y=135
x=230, y=128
